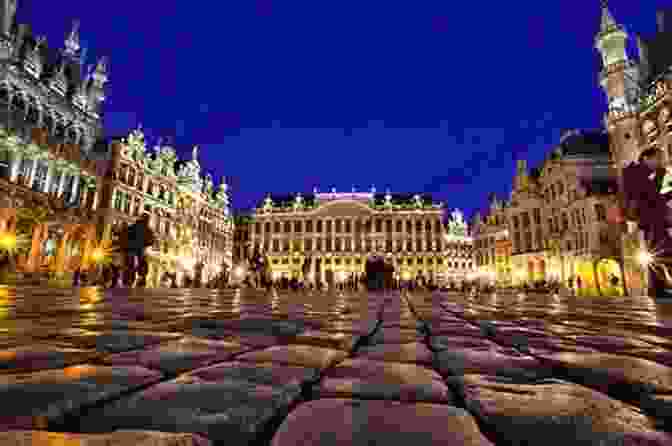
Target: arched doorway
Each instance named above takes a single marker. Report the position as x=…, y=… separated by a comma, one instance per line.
x=609, y=277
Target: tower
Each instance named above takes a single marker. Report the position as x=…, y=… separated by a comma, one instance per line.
x=620, y=81
x=7, y=15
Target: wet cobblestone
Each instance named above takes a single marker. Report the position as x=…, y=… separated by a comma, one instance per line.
x=247, y=367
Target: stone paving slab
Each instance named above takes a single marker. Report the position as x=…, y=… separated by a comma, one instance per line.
x=343, y=422
x=179, y=356
x=366, y=379
x=299, y=355
x=46, y=396
x=554, y=412
x=234, y=411
x=38, y=357
x=118, y=438
x=413, y=352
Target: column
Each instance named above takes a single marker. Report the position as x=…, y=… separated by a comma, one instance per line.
x=15, y=165
x=50, y=174
x=61, y=184
x=33, y=171
x=75, y=187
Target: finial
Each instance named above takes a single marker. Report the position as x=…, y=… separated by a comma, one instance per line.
x=102, y=65
x=72, y=41
x=315, y=191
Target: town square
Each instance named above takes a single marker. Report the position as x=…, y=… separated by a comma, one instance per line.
x=312, y=230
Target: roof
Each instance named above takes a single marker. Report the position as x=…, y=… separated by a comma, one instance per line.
x=600, y=186
x=586, y=143
x=288, y=200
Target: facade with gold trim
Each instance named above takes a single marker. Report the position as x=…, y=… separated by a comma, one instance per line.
x=54, y=158
x=339, y=231
x=190, y=217
x=492, y=244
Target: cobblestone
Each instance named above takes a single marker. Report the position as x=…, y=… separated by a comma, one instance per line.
x=183, y=367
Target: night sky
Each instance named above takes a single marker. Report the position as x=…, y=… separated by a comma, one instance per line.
x=428, y=96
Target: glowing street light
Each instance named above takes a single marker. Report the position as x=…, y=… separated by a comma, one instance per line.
x=8, y=241
x=97, y=255
x=645, y=258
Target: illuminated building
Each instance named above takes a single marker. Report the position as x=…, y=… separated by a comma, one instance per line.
x=50, y=124
x=492, y=244
x=339, y=231
x=241, y=239
x=53, y=155
x=639, y=108
x=557, y=214
x=190, y=218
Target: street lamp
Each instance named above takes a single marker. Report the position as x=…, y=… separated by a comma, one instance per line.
x=645, y=258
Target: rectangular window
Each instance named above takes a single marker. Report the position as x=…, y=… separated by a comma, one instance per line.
x=308, y=244
x=338, y=226
x=328, y=225
x=348, y=226
x=318, y=225
x=309, y=225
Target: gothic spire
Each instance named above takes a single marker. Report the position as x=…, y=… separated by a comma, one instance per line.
x=607, y=24
x=72, y=45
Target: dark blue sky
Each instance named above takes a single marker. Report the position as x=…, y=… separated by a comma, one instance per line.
x=283, y=95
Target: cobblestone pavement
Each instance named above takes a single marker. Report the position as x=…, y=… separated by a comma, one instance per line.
x=199, y=367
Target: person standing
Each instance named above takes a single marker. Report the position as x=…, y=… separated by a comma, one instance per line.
x=135, y=240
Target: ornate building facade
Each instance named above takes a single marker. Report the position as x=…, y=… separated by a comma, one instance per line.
x=555, y=226
x=50, y=114
x=339, y=231
x=492, y=244
x=53, y=154
x=190, y=216
x=639, y=98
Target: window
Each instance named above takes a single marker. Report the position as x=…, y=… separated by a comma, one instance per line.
x=318, y=226
x=418, y=226
x=308, y=244
x=399, y=226
x=348, y=226
x=328, y=244
x=338, y=226
x=267, y=227
x=318, y=244
x=276, y=245
x=257, y=228
x=297, y=226
x=285, y=245
x=276, y=227
x=379, y=225
x=328, y=225
x=536, y=213
x=600, y=212
x=309, y=225
x=288, y=227
x=409, y=227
